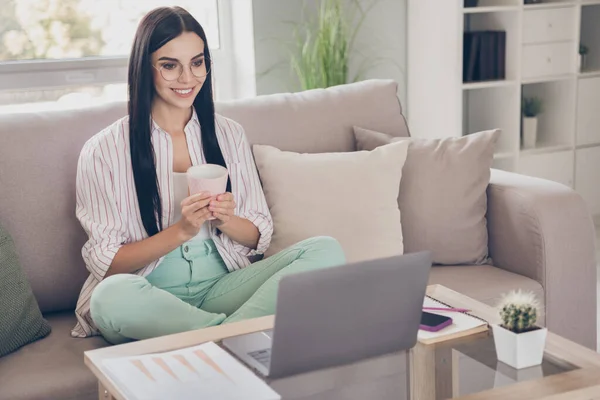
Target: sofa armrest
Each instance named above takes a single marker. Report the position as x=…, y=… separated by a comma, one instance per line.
x=543, y=230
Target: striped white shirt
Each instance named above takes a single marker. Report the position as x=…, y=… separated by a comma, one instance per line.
x=108, y=210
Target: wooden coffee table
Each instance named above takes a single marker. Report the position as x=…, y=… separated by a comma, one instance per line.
x=465, y=368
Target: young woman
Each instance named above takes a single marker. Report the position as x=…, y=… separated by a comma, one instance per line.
x=159, y=263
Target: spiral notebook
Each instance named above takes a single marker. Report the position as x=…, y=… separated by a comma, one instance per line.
x=463, y=324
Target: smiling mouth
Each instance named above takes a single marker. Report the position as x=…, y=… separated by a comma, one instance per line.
x=183, y=91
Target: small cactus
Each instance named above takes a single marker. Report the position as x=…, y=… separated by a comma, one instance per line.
x=519, y=311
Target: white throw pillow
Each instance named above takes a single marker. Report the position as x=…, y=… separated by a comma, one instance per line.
x=352, y=197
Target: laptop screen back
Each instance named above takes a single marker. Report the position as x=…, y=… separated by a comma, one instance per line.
x=348, y=313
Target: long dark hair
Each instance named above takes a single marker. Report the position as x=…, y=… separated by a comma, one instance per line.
x=157, y=28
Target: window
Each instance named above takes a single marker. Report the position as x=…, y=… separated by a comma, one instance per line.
x=69, y=53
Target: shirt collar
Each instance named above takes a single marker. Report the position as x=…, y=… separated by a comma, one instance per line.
x=194, y=119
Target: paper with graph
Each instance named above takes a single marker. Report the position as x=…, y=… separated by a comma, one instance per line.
x=200, y=372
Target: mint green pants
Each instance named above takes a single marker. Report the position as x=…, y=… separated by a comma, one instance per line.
x=192, y=289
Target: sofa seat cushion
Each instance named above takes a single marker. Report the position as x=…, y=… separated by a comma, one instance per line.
x=484, y=283
x=51, y=368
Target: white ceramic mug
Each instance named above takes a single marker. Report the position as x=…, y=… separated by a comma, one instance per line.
x=210, y=178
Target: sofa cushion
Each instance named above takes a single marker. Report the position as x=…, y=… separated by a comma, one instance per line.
x=485, y=283
x=319, y=120
x=21, y=321
x=38, y=163
x=51, y=368
x=350, y=196
x=442, y=195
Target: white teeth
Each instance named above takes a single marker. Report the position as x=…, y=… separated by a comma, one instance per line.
x=185, y=91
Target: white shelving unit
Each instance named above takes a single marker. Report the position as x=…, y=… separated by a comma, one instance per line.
x=541, y=59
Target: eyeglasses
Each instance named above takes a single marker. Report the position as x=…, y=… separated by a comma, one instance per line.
x=172, y=70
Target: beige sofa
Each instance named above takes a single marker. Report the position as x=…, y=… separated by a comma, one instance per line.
x=541, y=236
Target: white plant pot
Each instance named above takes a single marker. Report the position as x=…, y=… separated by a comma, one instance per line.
x=530, y=132
x=580, y=62
x=520, y=350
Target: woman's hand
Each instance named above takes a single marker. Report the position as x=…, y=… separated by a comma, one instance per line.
x=238, y=229
x=222, y=208
x=194, y=212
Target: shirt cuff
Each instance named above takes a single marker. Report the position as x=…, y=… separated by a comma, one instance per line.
x=98, y=258
x=265, y=229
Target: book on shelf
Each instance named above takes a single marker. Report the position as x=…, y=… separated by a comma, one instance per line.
x=484, y=56
x=205, y=371
x=463, y=324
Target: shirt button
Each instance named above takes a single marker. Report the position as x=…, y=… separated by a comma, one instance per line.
x=186, y=249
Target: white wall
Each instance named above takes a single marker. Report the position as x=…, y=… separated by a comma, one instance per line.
x=383, y=35
x=272, y=33
x=382, y=39
x=243, y=50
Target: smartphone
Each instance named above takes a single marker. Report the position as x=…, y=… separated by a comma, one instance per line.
x=434, y=322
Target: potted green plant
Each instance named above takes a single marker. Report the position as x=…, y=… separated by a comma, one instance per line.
x=519, y=341
x=320, y=57
x=532, y=107
x=583, y=51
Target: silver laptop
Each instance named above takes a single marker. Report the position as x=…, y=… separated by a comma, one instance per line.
x=339, y=315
